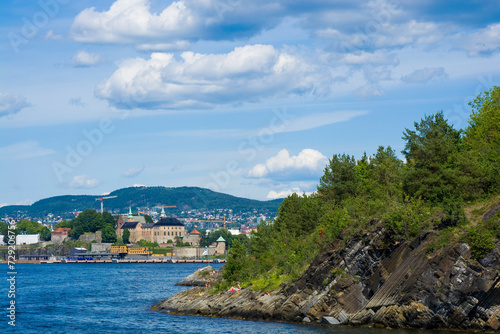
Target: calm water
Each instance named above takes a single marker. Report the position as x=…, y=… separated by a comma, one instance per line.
x=118, y=298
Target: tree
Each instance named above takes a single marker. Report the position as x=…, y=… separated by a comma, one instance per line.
x=108, y=234
x=385, y=168
x=235, y=262
x=45, y=234
x=28, y=226
x=482, y=140
x=108, y=219
x=431, y=152
x=297, y=215
x=340, y=179
x=76, y=232
x=214, y=235
x=148, y=219
x=4, y=230
x=126, y=236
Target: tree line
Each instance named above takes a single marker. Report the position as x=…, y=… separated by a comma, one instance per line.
x=443, y=169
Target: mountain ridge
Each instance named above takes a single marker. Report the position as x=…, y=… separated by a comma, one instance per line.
x=184, y=198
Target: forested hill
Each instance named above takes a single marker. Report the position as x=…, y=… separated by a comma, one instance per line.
x=184, y=198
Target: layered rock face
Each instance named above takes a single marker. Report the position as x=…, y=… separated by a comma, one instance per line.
x=368, y=282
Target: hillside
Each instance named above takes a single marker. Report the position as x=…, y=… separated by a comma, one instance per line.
x=184, y=198
x=365, y=281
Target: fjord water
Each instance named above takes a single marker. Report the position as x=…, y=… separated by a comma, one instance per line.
x=118, y=298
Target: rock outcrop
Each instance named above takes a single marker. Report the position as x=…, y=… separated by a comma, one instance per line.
x=368, y=282
x=200, y=277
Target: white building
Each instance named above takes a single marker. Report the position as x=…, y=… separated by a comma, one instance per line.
x=27, y=239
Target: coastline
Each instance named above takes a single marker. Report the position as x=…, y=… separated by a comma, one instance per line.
x=412, y=290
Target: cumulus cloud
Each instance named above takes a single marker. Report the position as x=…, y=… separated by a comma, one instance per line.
x=83, y=182
x=24, y=150
x=133, y=172
x=308, y=163
x=85, y=59
x=126, y=20
x=12, y=103
x=425, y=74
x=197, y=80
x=133, y=21
x=285, y=193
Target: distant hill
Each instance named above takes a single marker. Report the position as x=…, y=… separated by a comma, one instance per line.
x=184, y=198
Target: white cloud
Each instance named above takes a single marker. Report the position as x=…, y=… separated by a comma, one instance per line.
x=12, y=103
x=77, y=102
x=368, y=91
x=196, y=80
x=285, y=193
x=83, y=182
x=133, y=172
x=53, y=36
x=24, y=150
x=320, y=119
x=425, y=74
x=483, y=42
x=130, y=20
x=85, y=59
x=307, y=163
x=174, y=46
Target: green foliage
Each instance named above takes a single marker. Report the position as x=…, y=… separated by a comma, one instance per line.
x=207, y=240
x=108, y=234
x=340, y=179
x=431, y=153
x=404, y=221
x=454, y=215
x=108, y=219
x=333, y=222
x=162, y=251
x=480, y=241
x=149, y=244
x=148, y=219
x=126, y=236
x=4, y=230
x=45, y=234
x=29, y=227
x=298, y=215
x=482, y=140
x=235, y=263
x=119, y=242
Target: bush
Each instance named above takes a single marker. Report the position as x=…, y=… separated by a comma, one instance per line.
x=480, y=241
x=454, y=215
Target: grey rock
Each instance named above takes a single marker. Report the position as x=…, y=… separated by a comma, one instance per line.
x=330, y=321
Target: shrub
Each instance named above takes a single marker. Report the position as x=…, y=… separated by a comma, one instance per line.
x=480, y=241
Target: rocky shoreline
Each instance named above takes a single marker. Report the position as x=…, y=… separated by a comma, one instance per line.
x=366, y=283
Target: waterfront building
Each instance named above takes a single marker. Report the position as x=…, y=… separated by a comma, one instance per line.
x=59, y=235
x=164, y=231
x=27, y=239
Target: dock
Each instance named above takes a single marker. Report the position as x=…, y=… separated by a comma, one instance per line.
x=65, y=261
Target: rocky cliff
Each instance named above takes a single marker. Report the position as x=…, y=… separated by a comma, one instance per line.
x=366, y=281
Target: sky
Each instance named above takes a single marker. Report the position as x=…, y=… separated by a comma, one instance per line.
x=248, y=98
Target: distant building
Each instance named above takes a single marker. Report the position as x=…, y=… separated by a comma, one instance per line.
x=76, y=251
x=193, y=238
x=59, y=235
x=165, y=230
x=27, y=239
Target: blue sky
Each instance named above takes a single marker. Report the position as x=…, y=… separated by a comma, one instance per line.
x=249, y=98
